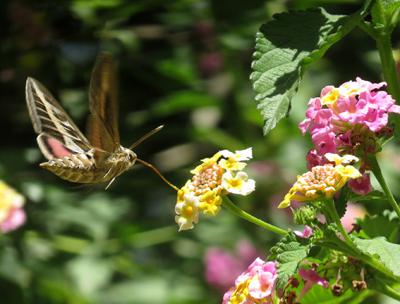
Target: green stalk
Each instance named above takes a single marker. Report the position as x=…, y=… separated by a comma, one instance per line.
x=387, y=290
x=228, y=204
x=379, y=176
x=383, y=42
x=334, y=216
x=389, y=70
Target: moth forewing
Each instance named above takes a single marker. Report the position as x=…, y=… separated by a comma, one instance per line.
x=48, y=117
x=102, y=127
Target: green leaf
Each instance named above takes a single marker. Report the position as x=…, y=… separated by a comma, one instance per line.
x=289, y=252
x=321, y=295
x=370, y=197
x=380, y=225
x=387, y=253
x=283, y=47
x=385, y=13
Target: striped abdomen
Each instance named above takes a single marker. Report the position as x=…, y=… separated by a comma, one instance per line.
x=81, y=168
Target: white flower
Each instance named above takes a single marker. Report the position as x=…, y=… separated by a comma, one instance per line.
x=238, y=184
x=240, y=155
x=234, y=161
x=187, y=212
x=341, y=160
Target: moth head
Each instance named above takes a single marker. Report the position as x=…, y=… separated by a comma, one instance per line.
x=131, y=156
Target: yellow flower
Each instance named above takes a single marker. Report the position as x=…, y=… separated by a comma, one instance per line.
x=238, y=183
x=9, y=199
x=341, y=160
x=206, y=163
x=186, y=210
x=322, y=181
x=214, y=177
x=331, y=97
x=234, y=161
x=210, y=202
x=352, y=88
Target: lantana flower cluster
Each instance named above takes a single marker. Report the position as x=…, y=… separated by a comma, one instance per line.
x=216, y=176
x=255, y=285
x=12, y=214
x=348, y=120
x=322, y=182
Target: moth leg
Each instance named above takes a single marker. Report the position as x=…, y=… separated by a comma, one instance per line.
x=109, y=184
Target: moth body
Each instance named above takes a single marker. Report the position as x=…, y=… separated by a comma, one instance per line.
x=83, y=167
x=97, y=157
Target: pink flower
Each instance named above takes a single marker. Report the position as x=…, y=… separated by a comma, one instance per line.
x=12, y=215
x=361, y=185
x=223, y=267
x=246, y=251
x=331, y=118
x=15, y=219
x=314, y=159
x=324, y=140
x=353, y=211
x=311, y=278
x=305, y=234
x=255, y=285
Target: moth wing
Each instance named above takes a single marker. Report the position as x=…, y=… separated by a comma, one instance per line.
x=51, y=121
x=51, y=147
x=102, y=127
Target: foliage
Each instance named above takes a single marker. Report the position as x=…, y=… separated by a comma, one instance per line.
x=279, y=60
x=185, y=64
x=289, y=252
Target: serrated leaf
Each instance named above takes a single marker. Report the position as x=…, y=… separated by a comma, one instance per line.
x=387, y=253
x=380, y=225
x=372, y=196
x=289, y=253
x=283, y=47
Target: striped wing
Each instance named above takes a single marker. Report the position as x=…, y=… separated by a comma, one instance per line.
x=103, y=122
x=58, y=135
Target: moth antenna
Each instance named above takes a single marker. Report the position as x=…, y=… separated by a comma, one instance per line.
x=144, y=137
x=148, y=165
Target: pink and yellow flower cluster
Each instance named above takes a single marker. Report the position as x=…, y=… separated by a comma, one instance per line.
x=12, y=215
x=322, y=182
x=255, y=285
x=216, y=176
x=331, y=118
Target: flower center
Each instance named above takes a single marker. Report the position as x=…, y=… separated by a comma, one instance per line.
x=207, y=179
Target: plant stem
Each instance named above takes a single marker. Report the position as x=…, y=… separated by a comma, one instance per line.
x=388, y=64
x=352, y=248
x=336, y=219
x=228, y=204
x=379, y=176
x=389, y=291
x=383, y=43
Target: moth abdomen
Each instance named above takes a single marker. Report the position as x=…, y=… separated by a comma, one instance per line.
x=77, y=168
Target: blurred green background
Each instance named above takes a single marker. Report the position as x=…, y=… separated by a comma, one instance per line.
x=184, y=64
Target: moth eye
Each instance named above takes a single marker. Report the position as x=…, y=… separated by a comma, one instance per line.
x=131, y=157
